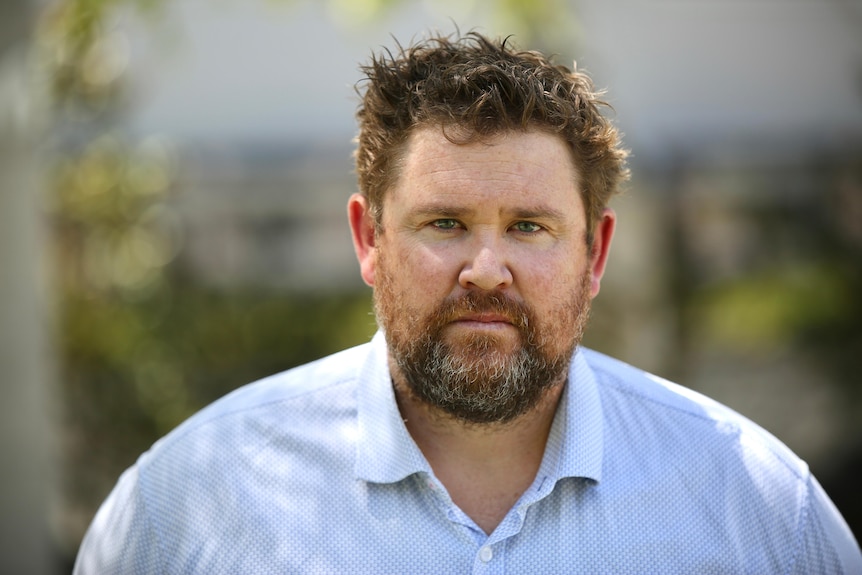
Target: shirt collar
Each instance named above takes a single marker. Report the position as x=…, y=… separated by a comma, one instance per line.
x=576, y=443
x=386, y=453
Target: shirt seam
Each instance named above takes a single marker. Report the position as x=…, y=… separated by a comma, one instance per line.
x=145, y=503
x=182, y=433
x=805, y=515
x=735, y=425
x=658, y=402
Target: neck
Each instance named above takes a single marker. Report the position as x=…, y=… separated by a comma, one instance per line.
x=484, y=467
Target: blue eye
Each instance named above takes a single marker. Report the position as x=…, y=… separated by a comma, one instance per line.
x=527, y=227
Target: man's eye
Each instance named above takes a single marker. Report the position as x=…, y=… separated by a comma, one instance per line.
x=527, y=227
x=445, y=224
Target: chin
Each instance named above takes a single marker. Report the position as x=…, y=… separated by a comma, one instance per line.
x=484, y=343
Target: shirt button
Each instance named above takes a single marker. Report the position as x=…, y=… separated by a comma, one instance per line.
x=485, y=554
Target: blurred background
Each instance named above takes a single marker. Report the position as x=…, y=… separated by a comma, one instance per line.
x=173, y=179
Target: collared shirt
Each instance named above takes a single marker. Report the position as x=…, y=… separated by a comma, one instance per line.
x=313, y=471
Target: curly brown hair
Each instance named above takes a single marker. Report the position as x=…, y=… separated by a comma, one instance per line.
x=476, y=88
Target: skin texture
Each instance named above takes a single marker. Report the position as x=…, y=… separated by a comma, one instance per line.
x=465, y=226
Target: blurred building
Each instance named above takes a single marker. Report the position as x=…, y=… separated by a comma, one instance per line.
x=271, y=216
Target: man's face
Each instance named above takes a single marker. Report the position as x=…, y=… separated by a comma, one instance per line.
x=482, y=275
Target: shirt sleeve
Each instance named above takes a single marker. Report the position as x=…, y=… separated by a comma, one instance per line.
x=827, y=545
x=121, y=538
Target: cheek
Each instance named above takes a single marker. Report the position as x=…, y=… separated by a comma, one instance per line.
x=549, y=273
x=436, y=269
x=420, y=278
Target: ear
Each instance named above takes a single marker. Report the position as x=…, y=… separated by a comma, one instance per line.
x=364, y=237
x=602, y=237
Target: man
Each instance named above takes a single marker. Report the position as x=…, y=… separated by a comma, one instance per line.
x=472, y=434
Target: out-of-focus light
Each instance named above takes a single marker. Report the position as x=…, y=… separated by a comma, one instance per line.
x=105, y=61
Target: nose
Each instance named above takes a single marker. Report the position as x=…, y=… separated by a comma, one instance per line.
x=486, y=268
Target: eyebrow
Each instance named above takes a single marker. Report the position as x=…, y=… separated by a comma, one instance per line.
x=539, y=212
x=439, y=211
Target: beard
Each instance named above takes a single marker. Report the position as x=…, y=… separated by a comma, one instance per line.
x=480, y=378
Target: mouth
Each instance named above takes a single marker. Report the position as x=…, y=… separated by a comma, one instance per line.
x=483, y=321
x=480, y=313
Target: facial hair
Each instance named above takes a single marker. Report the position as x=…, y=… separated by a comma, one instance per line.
x=475, y=379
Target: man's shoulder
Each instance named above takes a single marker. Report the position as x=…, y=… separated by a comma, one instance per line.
x=242, y=465
x=278, y=405
x=693, y=466
x=619, y=377
x=683, y=412
x=316, y=377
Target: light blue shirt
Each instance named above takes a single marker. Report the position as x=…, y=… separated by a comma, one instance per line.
x=313, y=471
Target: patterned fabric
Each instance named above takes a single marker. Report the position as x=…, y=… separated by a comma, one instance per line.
x=313, y=471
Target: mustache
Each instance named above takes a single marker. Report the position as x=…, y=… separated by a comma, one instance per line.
x=492, y=302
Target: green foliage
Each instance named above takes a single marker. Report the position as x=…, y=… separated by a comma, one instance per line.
x=157, y=361
x=794, y=282
x=776, y=306
x=80, y=55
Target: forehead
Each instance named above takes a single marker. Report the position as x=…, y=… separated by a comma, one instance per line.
x=520, y=169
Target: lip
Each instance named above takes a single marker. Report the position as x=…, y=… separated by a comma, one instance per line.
x=483, y=321
x=484, y=318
